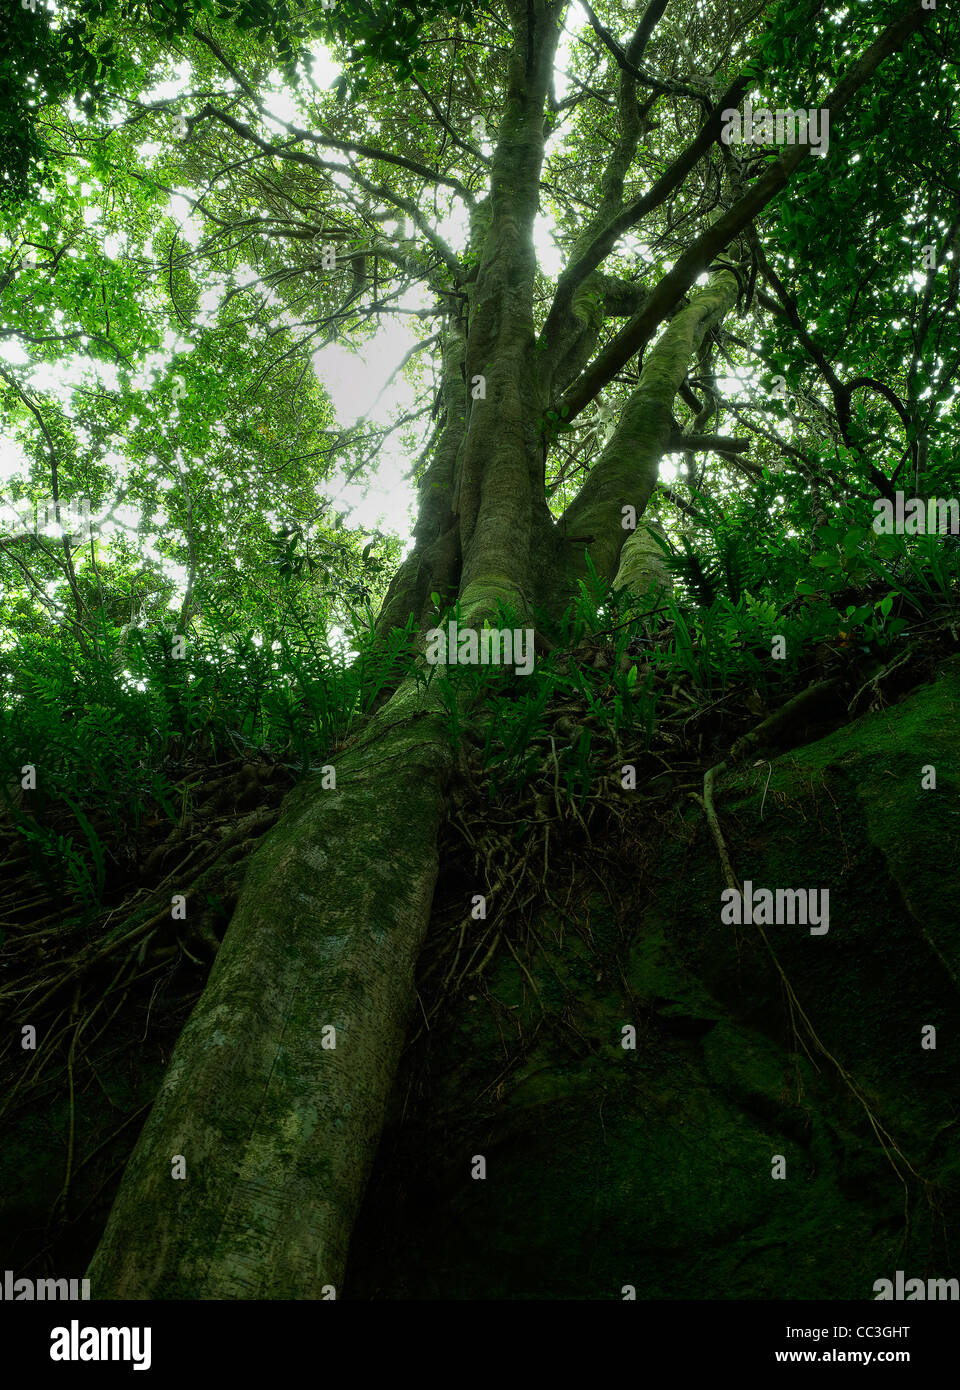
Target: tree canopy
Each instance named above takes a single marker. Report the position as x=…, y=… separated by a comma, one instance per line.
x=316, y=210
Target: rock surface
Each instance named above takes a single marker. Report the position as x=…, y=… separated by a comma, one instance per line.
x=608, y=1167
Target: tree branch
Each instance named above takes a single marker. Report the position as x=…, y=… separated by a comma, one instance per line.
x=605, y=239
x=718, y=443
x=720, y=233
x=326, y=142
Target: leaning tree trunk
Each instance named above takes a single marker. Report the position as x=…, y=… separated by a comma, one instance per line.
x=277, y=1127
x=275, y=1093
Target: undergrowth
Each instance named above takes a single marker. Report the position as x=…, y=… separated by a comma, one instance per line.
x=148, y=763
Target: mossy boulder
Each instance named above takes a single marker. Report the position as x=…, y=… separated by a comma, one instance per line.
x=654, y=1167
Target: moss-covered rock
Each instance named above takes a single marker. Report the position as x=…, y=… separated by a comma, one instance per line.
x=654, y=1167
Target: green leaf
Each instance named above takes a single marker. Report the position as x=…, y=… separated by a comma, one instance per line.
x=853, y=540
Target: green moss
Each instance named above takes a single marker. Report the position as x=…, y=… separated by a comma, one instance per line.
x=652, y=1167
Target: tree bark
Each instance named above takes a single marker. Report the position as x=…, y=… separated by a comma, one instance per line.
x=277, y=1128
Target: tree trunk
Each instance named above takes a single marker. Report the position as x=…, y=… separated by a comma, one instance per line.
x=278, y=1127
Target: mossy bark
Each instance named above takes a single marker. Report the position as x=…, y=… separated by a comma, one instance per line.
x=626, y=472
x=277, y=1128
x=499, y=492
x=433, y=566
x=643, y=569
